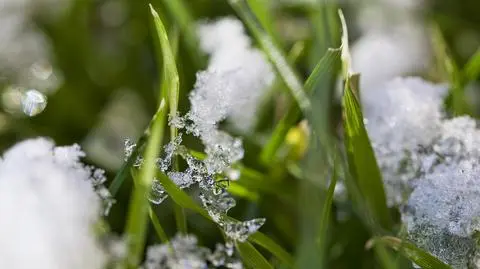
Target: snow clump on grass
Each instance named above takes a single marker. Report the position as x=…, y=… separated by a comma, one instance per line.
x=49, y=207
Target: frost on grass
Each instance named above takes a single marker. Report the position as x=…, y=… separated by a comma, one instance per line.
x=229, y=89
x=49, y=206
x=402, y=119
x=184, y=252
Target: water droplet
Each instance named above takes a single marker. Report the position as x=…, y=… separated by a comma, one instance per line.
x=158, y=193
x=33, y=102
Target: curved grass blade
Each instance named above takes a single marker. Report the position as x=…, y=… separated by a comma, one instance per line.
x=270, y=245
x=324, y=68
x=420, y=257
x=361, y=160
x=472, y=68
x=275, y=55
x=251, y=257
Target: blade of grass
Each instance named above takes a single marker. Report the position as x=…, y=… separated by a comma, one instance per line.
x=410, y=251
x=472, y=68
x=275, y=55
x=157, y=226
x=270, y=245
x=361, y=159
x=251, y=257
x=322, y=237
x=362, y=164
x=139, y=205
x=321, y=71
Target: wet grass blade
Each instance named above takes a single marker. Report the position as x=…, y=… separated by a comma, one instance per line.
x=420, y=257
x=321, y=72
x=472, y=68
x=275, y=55
x=251, y=257
x=361, y=159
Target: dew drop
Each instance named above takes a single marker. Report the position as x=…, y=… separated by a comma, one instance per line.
x=33, y=102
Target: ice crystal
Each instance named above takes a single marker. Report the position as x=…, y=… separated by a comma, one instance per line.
x=443, y=213
x=184, y=252
x=241, y=230
x=50, y=205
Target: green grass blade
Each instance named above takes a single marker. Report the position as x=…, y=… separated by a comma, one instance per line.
x=157, y=226
x=322, y=238
x=170, y=81
x=410, y=251
x=361, y=159
x=275, y=55
x=321, y=72
x=180, y=13
x=472, y=68
x=139, y=205
x=251, y=257
x=270, y=245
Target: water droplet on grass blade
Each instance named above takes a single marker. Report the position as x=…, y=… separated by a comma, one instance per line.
x=33, y=102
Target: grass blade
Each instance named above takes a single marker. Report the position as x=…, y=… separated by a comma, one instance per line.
x=410, y=251
x=170, y=81
x=251, y=257
x=275, y=55
x=157, y=226
x=361, y=159
x=472, y=68
x=321, y=72
x=139, y=205
x=270, y=245
x=322, y=237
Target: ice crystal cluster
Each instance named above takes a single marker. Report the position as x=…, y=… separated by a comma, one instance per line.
x=430, y=165
x=229, y=89
x=48, y=207
x=184, y=252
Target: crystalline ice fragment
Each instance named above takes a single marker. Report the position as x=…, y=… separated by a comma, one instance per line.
x=33, y=102
x=240, y=231
x=157, y=193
